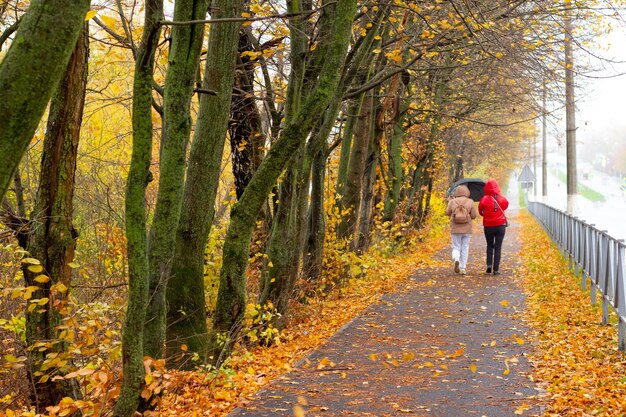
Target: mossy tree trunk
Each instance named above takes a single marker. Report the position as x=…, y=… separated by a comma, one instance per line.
x=38, y=57
x=286, y=246
x=351, y=114
x=316, y=231
x=135, y=208
x=419, y=195
x=282, y=246
x=366, y=210
x=53, y=240
x=180, y=79
x=186, y=309
x=231, y=297
x=395, y=169
x=351, y=200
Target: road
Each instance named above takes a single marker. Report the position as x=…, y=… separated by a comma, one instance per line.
x=607, y=215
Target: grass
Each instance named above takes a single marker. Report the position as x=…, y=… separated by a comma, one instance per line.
x=587, y=192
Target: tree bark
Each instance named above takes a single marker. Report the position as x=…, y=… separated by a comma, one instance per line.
x=351, y=201
x=245, y=127
x=186, y=314
x=351, y=115
x=280, y=274
x=50, y=25
x=135, y=207
x=53, y=241
x=366, y=209
x=179, y=84
x=395, y=169
x=316, y=232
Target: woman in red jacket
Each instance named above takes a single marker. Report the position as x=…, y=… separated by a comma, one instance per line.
x=492, y=206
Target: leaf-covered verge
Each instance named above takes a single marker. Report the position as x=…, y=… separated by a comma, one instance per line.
x=251, y=368
x=577, y=360
x=94, y=333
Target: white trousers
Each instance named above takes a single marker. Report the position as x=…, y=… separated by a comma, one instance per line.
x=460, y=248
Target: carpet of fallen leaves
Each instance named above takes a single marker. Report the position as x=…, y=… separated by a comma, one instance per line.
x=193, y=394
x=577, y=361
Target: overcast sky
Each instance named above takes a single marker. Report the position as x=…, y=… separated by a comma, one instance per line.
x=601, y=109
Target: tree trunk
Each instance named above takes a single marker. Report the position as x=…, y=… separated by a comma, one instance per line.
x=395, y=169
x=53, y=241
x=280, y=274
x=422, y=177
x=316, y=231
x=351, y=201
x=287, y=238
x=245, y=127
x=314, y=249
x=186, y=313
x=179, y=84
x=366, y=212
x=135, y=206
x=352, y=115
x=37, y=57
x=231, y=297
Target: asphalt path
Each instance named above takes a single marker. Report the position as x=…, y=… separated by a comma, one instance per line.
x=444, y=345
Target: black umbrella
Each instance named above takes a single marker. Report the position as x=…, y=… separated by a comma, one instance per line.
x=475, y=185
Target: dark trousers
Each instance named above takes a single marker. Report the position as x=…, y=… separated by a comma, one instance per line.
x=494, y=236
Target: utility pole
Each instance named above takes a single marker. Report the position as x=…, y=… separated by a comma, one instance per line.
x=570, y=115
x=535, y=185
x=544, y=150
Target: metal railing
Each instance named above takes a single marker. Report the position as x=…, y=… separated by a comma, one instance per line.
x=593, y=255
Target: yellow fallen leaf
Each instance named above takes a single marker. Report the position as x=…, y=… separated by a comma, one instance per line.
x=504, y=303
x=457, y=353
x=323, y=363
x=519, y=341
x=373, y=357
x=473, y=368
x=298, y=411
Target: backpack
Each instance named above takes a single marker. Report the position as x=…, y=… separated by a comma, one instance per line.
x=460, y=214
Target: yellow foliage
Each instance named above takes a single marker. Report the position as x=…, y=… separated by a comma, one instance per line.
x=577, y=362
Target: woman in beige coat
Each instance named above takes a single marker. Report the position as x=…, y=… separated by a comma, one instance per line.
x=462, y=211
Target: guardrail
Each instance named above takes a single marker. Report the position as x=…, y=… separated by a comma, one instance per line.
x=593, y=255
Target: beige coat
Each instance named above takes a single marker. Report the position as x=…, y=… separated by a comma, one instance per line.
x=461, y=196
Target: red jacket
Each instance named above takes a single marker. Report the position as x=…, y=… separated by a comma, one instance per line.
x=493, y=214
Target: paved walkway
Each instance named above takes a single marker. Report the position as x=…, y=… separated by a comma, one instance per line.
x=444, y=346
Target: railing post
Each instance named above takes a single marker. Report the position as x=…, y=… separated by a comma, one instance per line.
x=605, y=278
x=593, y=261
